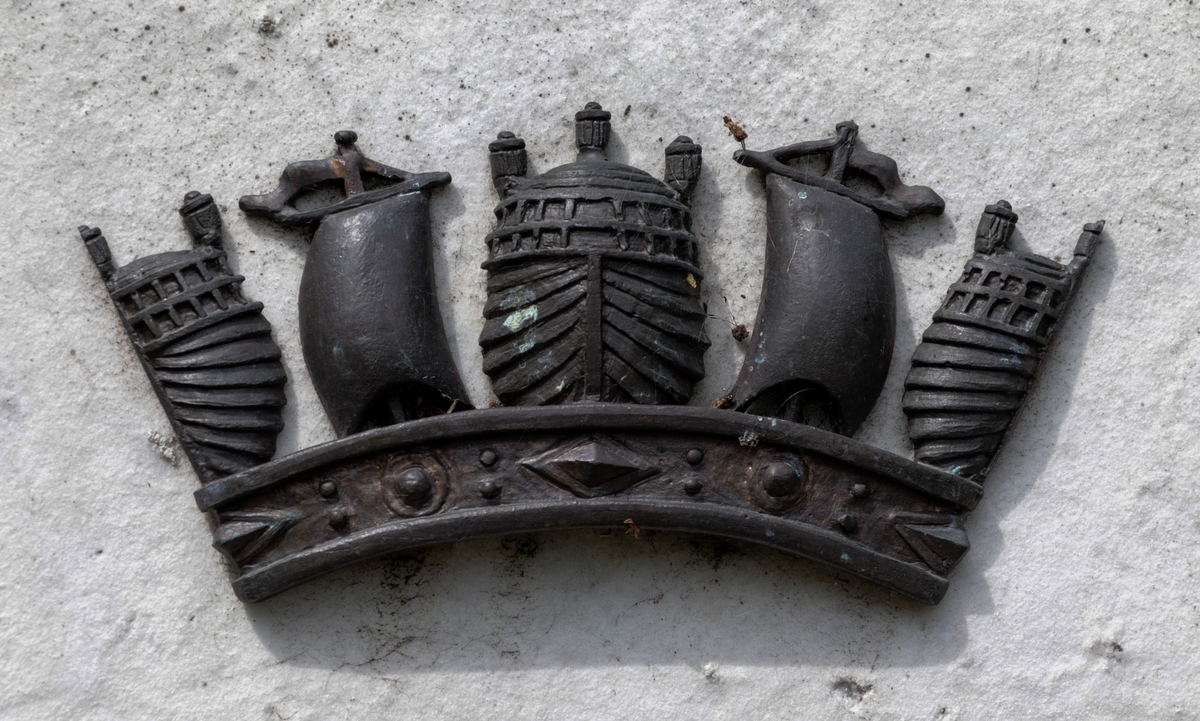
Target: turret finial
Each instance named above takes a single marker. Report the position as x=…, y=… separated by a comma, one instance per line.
x=995, y=227
x=592, y=128
x=683, y=165
x=202, y=219
x=508, y=161
x=98, y=248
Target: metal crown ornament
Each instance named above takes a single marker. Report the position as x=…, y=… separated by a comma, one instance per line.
x=593, y=339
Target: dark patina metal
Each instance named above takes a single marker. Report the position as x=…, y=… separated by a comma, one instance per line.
x=370, y=326
x=976, y=363
x=595, y=466
x=206, y=348
x=593, y=282
x=593, y=335
x=822, y=343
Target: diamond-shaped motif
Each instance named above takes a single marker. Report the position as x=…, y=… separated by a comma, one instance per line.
x=941, y=547
x=592, y=466
x=242, y=536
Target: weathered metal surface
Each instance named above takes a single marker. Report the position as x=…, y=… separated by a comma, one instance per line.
x=370, y=325
x=822, y=342
x=976, y=363
x=206, y=348
x=594, y=324
x=509, y=470
x=593, y=283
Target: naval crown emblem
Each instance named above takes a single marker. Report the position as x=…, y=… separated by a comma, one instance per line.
x=593, y=338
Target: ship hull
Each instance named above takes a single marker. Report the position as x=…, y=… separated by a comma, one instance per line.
x=209, y=355
x=593, y=291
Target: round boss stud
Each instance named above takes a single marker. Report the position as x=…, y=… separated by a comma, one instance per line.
x=779, y=484
x=780, y=480
x=414, y=485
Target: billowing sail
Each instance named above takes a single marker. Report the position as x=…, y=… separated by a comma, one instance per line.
x=822, y=342
x=370, y=326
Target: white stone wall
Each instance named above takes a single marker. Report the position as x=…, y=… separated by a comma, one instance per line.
x=1080, y=597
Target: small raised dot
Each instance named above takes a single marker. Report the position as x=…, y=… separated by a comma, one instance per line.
x=338, y=518
x=488, y=458
x=490, y=489
x=848, y=523
x=329, y=489
x=695, y=456
x=860, y=490
x=693, y=486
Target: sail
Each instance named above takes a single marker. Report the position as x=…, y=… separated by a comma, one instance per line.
x=826, y=322
x=822, y=341
x=370, y=326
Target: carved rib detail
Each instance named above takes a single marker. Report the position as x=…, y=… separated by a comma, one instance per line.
x=975, y=364
x=536, y=331
x=962, y=393
x=225, y=387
